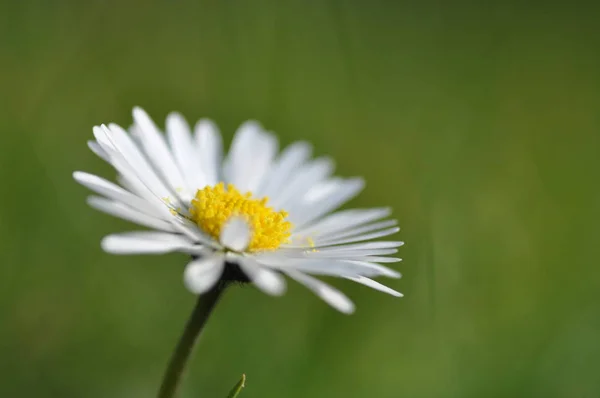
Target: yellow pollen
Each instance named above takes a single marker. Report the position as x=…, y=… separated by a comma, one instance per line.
x=311, y=243
x=214, y=206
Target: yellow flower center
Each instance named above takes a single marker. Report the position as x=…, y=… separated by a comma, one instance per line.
x=214, y=206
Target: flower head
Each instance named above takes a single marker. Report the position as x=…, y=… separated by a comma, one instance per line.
x=214, y=206
x=254, y=214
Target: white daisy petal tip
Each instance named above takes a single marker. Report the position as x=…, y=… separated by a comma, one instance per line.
x=144, y=242
x=97, y=149
x=99, y=133
x=267, y=280
x=358, y=183
x=105, y=129
x=374, y=285
x=113, y=126
x=236, y=234
x=251, y=124
x=327, y=293
x=201, y=275
x=389, y=244
x=84, y=178
x=107, y=244
x=271, y=283
x=175, y=117
x=205, y=126
x=339, y=301
x=390, y=273
x=138, y=112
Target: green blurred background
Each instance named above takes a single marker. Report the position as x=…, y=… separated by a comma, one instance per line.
x=479, y=124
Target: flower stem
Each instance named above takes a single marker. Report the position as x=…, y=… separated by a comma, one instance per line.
x=177, y=365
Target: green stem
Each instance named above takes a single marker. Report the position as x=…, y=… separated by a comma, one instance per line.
x=177, y=365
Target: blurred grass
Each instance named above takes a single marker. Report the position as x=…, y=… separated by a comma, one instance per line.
x=477, y=123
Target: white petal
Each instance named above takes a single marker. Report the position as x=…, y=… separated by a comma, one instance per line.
x=136, y=186
x=202, y=274
x=157, y=150
x=321, y=191
x=102, y=139
x=97, y=149
x=184, y=151
x=306, y=177
x=364, y=246
x=236, y=234
x=339, y=193
x=342, y=221
x=113, y=191
x=357, y=238
x=374, y=269
x=349, y=233
x=333, y=254
x=145, y=242
x=127, y=176
x=288, y=163
x=265, y=279
x=210, y=149
x=191, y=230
x=263, y=151
x=250, y=156
x=333, y=267
x=376, y=259
x=374, y=284
x=128, y=159
x=330, y=295
x=125, y=212
x=239, y=156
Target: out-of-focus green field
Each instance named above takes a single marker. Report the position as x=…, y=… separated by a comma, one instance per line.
x=479, y=124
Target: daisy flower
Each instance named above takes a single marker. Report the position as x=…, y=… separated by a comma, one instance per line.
x=252, y=215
